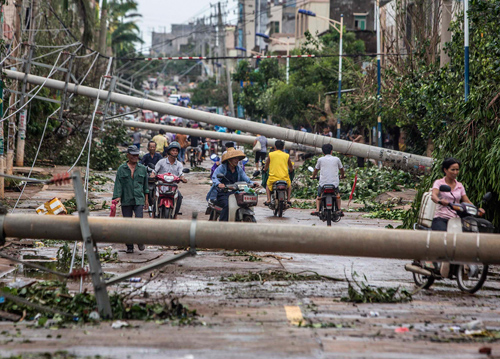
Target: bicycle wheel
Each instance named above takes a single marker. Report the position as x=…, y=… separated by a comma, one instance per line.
x=471, y=277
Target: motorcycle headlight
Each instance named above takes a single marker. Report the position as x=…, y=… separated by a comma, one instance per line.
x=169, y=178
x=472, y=210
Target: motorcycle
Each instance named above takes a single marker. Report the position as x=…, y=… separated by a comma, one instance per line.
x=470, y=277
x=240, y=202
x=166, y=195
x=279, y=198
x=193, y=157
x=328, y=209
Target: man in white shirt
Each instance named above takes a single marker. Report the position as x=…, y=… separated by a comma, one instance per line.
x=329, y=167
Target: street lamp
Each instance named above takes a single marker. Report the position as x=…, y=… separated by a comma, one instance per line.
x=267, y=37
x=339, y=26
x=466, y=49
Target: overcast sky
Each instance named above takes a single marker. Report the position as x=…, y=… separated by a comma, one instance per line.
x=160, y=14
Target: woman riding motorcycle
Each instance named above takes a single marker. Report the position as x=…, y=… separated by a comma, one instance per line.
x=443, y=213
x=232, y=174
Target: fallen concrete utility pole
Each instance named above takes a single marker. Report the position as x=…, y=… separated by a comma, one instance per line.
x=344, y=241
x=402, y=159
x=154, y=98
x=215, y=135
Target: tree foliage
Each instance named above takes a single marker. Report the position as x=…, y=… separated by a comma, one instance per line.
x=469, y=131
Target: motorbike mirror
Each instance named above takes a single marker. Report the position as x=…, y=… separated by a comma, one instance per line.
x=310, y=169
x=152, y=166
x=213, y=157
x=245, y=160
x=256, y=174
x=444, y=188
x=487, y=197
x=220, y=176
x=186, y=170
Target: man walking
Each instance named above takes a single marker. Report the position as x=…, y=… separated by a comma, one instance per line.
x=131, y=188
x=182, y=140
x=151, y=157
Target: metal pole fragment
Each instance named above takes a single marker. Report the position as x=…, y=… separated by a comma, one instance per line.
x=101, y=293
x=357, y=149
x=344, y=241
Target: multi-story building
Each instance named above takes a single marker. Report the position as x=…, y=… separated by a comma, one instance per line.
x=172, y=43
x=314, y=25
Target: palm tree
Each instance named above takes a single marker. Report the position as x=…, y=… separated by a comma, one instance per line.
x=123, y=30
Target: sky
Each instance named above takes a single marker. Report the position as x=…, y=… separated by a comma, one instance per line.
x=160, y=14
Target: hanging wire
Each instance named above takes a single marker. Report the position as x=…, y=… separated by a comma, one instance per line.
x=43, y=135
x=39, y=89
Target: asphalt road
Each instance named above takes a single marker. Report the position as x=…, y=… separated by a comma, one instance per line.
x=250, y=306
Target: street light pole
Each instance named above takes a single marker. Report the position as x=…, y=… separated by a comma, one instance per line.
x=340, y=73
x=287, y=59
x=340, y=30
x=287, y=50
x=379, y=119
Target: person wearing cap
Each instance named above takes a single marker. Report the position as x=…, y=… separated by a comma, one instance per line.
x=171, y=164
x=131, y=188
x=232, y=174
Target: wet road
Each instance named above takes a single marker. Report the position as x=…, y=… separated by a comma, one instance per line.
x=273, y=317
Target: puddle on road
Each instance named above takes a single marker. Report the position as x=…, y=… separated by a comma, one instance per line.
x=44, y=261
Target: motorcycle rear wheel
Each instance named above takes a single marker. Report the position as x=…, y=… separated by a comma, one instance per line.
x=281, y=204
x=329, y=217
x=468, y=284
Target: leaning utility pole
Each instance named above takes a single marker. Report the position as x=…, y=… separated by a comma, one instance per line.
x=103, y=32
x=223, y=52
x=12, y=101
x=401, y=159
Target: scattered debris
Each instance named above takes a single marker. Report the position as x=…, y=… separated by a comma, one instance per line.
x=52, y=207
x=401, y=330
x=119, y=324
x=364, y=293
x=276, y=275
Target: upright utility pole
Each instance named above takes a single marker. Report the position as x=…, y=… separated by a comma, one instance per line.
x=466, y=48
x=379, y=80
x=12, y=101
x=223, y=52
x=23, y=114
x=103, y=31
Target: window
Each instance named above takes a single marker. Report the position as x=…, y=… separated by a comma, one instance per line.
x=360, y=22
x=275, y=27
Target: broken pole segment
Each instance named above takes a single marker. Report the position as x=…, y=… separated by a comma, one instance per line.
x=343, y=241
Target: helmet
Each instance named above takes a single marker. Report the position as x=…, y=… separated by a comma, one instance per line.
x=174, y=144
